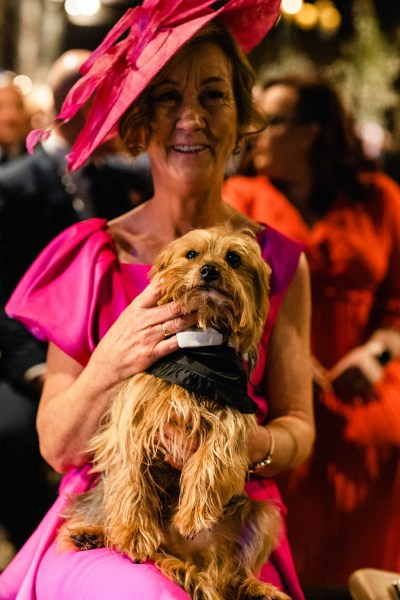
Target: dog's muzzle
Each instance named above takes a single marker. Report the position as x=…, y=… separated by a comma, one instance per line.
x=209, y=273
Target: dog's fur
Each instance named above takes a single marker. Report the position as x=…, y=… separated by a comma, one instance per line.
x=197, y=524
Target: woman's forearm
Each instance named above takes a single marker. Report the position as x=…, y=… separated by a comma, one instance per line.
x=284, y=443
x=75, y=398
x=68, y=419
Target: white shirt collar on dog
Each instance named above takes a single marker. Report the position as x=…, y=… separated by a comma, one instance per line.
x=193, y=337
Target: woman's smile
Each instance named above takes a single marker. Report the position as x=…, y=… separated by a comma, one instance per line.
x=190, y=149
x=194, y=118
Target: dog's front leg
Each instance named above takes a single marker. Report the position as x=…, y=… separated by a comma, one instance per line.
x=208, y=481
x=133, y=516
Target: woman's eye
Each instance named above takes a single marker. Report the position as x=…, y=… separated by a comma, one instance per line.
x=212, y=97
x=191, y=254
x=233, y=259
x=167, y=98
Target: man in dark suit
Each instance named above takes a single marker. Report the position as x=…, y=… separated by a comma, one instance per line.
x=38, y=199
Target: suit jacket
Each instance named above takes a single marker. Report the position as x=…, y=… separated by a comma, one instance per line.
x=36, y=205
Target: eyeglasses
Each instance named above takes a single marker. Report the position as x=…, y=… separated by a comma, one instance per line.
x=274, y=120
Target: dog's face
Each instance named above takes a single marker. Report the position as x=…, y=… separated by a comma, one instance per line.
x=222, y=273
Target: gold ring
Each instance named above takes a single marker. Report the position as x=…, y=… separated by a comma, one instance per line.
x=165, y=331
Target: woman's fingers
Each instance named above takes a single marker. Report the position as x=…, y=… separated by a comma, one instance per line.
x=169, y=317
x=170, y=327
x=143, y=333
x=176, y=446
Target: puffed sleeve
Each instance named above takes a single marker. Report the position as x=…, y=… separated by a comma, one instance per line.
x=73, y=291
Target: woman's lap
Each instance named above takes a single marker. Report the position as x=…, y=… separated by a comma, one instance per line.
x=99, y=575
x=103, y=574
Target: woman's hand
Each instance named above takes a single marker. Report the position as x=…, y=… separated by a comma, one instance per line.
x=320, y=376
x=137, y=338
x=75, y=398
x=176, y=445
x=357, y=372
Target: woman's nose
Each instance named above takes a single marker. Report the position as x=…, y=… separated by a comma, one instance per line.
x=190, y=117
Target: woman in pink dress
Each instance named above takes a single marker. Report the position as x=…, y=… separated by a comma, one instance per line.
x=88, y=293
x=313, y=183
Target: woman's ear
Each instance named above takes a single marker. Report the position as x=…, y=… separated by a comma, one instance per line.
x=238, y=147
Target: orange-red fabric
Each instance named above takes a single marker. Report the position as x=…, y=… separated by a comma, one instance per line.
x=344, y=502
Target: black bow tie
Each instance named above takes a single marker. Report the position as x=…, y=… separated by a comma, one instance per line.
x=216, y=372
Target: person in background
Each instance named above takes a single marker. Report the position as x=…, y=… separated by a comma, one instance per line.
x=188, y=103
x=13, y=119
x=312, y=181
x=37, y=201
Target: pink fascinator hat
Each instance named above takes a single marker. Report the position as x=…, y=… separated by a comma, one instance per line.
x=118, y=71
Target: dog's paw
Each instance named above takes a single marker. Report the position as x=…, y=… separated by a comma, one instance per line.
x=79, y=538
x=85, y=541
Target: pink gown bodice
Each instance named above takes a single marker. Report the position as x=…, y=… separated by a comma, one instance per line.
x=71, y=295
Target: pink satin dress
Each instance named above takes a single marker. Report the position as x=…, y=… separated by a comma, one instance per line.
x=71, y=295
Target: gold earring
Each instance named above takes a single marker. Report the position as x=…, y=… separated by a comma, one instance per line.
x=237, y=149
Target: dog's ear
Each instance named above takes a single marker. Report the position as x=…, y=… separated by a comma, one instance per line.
x=261, y=289
x=262, y=277
x=162, y=261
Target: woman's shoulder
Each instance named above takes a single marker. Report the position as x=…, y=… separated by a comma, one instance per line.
x=92, y=231
x=246, y=188
x=57, y=297
x=383, y=197
x=282, y=253
x=381, y=182
x=261, y=200
x=273, y=240
x=85, y=243
x=79, y=244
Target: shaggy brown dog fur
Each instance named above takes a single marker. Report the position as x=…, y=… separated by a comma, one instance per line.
x=196, y=523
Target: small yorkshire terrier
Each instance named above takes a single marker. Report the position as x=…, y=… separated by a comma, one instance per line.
x=196, y=523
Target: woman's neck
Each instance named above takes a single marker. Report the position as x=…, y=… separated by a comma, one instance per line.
x=187, y=205
x=295, y=180
x=190, y=211
x=146, y=230
x=298, y=189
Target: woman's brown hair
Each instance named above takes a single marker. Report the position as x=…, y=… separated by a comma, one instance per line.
x=134, y=126
x=337, y=156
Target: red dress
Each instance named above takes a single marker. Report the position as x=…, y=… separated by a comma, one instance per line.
x=344, y=503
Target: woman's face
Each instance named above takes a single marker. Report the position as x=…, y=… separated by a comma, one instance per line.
x=193, y=128
x=285, y=143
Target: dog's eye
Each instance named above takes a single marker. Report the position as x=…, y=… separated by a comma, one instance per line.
x=233, y=259
x=191, y=254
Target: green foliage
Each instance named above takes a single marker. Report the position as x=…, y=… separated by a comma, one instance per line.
x=289, y=60
x=368, y=67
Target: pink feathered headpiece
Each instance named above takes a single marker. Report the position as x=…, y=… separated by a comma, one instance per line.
x=118, y=71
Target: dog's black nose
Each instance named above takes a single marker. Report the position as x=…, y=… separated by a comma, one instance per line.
x=209, y=273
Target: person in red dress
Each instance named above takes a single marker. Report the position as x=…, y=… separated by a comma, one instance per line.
x=312, y=181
